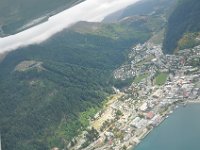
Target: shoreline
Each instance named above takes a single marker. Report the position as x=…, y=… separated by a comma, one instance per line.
x=161, y=121
x=147, y=133
x=193, y=102
x=135, y=146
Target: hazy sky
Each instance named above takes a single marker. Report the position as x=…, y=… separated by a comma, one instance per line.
x=90, y=10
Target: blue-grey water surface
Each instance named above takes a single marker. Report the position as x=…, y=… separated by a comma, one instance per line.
x=181, y=131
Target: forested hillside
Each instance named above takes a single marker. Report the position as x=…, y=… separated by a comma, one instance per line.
x=184, y=21
x=44, y=88
x=50, y=90
x=17, y=13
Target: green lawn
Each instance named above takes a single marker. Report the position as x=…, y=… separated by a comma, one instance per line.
x=161, y=78
x=139, y=78
x=148, y=59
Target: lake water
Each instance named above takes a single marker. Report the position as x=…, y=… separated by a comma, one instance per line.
x=181, y=131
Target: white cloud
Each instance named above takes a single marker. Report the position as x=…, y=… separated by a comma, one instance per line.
x=90, y=10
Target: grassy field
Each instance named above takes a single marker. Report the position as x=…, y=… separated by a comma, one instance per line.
x=146, y=60
x=139, y=78
x=161, y=78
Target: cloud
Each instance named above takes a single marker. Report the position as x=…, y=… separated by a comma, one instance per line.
x=90, y=10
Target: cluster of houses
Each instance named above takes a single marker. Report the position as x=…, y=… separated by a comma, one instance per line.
x=144, y=105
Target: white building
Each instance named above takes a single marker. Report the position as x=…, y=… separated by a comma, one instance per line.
x=144, y=107
x=139, y=123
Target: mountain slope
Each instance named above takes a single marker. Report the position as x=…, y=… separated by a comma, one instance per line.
x=184, y=19
x=45, y=87
x=143, y=8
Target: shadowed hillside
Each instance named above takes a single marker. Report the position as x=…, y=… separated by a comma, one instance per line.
x=184, y=19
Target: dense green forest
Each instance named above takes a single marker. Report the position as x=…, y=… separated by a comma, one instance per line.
x=184, y=19
x=48, y=91
x=15, y=14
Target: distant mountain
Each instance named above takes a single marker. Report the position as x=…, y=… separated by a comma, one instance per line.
x=20, y=14
x=183, y=26
x=142, y=8
x=152, y=13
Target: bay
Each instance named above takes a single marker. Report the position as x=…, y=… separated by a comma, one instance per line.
x=181, y=131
